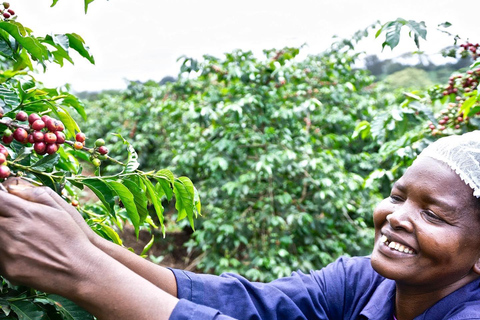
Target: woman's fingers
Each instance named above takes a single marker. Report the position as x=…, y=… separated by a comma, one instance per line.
x=48, y=197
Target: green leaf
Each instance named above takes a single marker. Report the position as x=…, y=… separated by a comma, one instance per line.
x=27, y=310
x=132, y=160
x=47, y=163
x=70, y=124
x=68, y=309
x=155, y=200
x=9, y=96
x=128, y=201
x=164, y=187
x=102, y=191
x=72, y=101
x=54, y=3
x=31, y=44
x=184, y=198
x=445, y=24
x=467, y=105
x=76, y=43
x=165, y=174
x=139, y=198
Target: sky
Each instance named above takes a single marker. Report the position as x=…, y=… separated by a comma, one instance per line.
x=142, y=40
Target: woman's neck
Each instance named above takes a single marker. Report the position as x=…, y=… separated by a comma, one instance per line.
x=411, y=302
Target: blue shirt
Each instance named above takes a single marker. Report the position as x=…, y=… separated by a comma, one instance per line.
x=346, y=289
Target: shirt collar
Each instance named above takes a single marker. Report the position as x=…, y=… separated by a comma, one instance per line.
x=380, y=306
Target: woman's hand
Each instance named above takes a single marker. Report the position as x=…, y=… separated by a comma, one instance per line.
x=41, y=246
x=44, y=247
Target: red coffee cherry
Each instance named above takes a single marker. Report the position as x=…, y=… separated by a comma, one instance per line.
x=102, y=150
x=74, y=203
x=21, y=116
x=38, y=136
x=38, y=125
x=52, y=148
x=7, y=139
x=11, y=12
x=50, y=137
x=30, y=139
x=40, y=147
x=60, y=137
x=4, y=172
x=6, y=15
x=33, y=117
x=80, y=137
x=20, y=135
x=3, y=159
x=50, y=124
x=4, y=151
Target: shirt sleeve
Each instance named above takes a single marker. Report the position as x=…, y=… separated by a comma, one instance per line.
x=317, y=295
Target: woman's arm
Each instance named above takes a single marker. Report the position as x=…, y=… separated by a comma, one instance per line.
x=159, y=276
x=43, y=247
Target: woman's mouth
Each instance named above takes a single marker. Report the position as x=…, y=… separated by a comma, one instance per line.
x=395, y=245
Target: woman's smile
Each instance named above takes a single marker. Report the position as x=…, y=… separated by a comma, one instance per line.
x=395, y=246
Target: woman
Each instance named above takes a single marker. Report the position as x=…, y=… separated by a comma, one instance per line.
x=425, y=263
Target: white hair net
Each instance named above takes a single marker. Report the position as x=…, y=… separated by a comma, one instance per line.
x=462, y=154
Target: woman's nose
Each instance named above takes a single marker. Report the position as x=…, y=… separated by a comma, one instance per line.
x=400, y=219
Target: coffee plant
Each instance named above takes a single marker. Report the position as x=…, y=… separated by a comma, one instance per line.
x=41, y=142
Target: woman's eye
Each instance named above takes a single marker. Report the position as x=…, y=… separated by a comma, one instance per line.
x=431, y=216
x=395, y=199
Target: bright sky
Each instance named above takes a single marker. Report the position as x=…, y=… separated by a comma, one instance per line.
x=141, y=40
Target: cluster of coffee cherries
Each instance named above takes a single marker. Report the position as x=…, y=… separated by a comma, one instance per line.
x=7, y=13
x=470, y=47
x=458, y=88
x=46, y=135
x=462, y=83
x=449, y=117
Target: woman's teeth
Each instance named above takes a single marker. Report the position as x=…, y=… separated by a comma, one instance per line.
x=395, y=245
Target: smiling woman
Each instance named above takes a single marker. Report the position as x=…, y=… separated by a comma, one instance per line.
x=425, y=263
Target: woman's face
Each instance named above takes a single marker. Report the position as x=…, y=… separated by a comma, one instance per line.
x=427, y=233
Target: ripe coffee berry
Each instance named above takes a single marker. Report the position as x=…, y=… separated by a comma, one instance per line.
x=21, y=116
x=38, y=125
x=51, y=148
x=4, y=151
x=103, y=150
x=60, y=137
x=80, y=137
x=38, y=136
x=20, y=135
x=11, y=12
x=6, y=15
x=50, y=124
x=33, y=117
x=4, y=172
x=40, y=148
x=3, y=159
x=50, y=137
x=74, y=203
x=7, y=139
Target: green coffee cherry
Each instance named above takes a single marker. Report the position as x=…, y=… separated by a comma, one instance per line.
x=99, y=143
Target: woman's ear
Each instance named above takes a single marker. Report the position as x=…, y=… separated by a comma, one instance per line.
x=476, y=267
